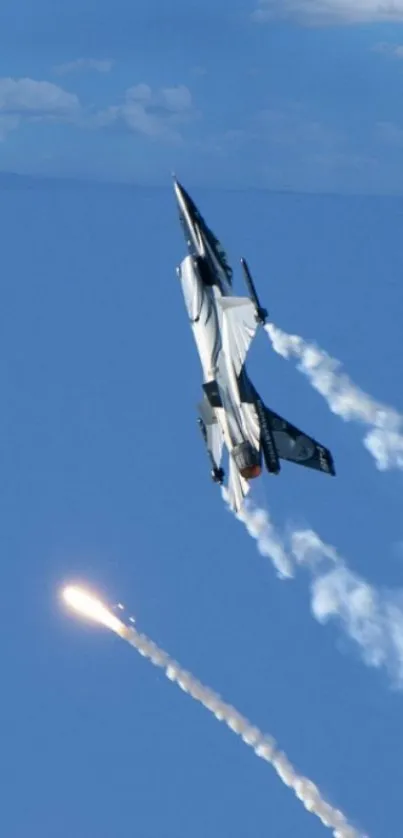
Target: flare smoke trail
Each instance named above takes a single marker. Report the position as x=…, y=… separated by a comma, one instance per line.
x=385, y=439
x=372, y=618
x=264, y=746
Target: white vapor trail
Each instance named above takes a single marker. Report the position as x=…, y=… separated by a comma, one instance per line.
x=385, y=439
x=264, y=746
x=259, y=526
x=371, y=618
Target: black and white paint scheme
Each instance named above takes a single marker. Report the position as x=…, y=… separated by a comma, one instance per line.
x=231, y=413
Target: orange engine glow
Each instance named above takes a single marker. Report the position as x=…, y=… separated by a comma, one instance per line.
x=250, y=472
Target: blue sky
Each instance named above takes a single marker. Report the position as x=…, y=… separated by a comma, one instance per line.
x=103, y=475
x=292, y=95
x=104, y=479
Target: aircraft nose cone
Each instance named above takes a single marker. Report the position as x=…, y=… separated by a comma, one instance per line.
x=178, y=189
x=181, y=198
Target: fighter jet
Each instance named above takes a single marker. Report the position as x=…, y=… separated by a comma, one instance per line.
x=232, y=413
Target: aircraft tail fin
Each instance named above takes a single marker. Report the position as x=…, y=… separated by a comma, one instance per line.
x=267, y=439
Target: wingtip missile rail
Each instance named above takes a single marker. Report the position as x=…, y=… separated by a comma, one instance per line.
x=261, y=313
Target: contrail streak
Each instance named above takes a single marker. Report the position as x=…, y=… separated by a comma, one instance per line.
x=258, y=524
x=264, y=746
x=371, y=618
x=385, y=439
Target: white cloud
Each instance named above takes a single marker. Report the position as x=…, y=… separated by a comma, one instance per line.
x=27, y=96
x=83, y=64
x=28, y=99
x=328, y=12
x=156, y=114
x=177, y=99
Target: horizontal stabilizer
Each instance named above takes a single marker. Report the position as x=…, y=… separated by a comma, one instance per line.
x=237, y=488
x=297, y=447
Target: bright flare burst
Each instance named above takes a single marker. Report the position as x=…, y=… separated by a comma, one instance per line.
x=90, y=606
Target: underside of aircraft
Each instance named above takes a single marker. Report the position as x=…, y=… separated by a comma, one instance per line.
x=232, y=413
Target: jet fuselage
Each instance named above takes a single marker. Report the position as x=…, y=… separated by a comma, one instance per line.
x=236, y=418
x=232, y=412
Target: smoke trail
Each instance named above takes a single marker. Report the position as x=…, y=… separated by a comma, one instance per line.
x=264, y=746
x=259, y=526
x=385, y=439
x=371, y=618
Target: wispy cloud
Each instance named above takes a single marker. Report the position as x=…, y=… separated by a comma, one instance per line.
x=329, y=12
x=293, y=126
x=296, y=135
x=391, y=50
x=158, y=114
x=84, y=65
x=290, y=145
x=26, y=95
x=289, y=126
x=28, y=99
x=8, y=123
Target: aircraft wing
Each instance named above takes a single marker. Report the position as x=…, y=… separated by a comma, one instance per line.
x=239, y=326
x=214, y=437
